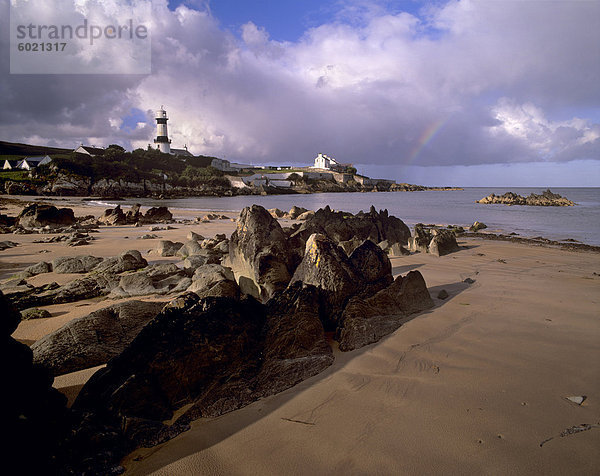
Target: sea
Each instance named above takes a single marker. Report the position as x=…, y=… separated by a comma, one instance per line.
x=453, y=207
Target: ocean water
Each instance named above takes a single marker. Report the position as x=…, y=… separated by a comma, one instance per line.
x=457, y=207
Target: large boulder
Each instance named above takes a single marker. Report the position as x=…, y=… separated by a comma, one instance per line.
x=126, y=261
x=157, y=215
x=113, y=216
x=167, y=248
x=161, y=278
x=343, y=226
x=94, y=339
x=34, y=415
x=421, y=239
x=443, y=242
x=38, y=216
x=75, y=264
x=259, y=254
x=187, y=354
x=189, y=248
x=214, y=280
x=366, y=320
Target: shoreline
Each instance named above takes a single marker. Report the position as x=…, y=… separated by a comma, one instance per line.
x=480, y=380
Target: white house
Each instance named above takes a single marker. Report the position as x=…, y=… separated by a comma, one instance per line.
x=29, y=163
x=92, y=151
x=324, y=162
x=11, y=164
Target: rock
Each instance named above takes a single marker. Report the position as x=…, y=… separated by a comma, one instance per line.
x=259, y=253
x=113, y=216
x=5, y=245
x=193, y=262
x=38, y=216
x=34, y=414
x=343, y=226
x=295, y=212
x=366, y=320
x=189, y=248
x=477, y=226
x=133, y=215
x=157, y=215
x=94, y=339
x=468, y=281
x=306, y=215
x=295, y=343
x=546, y=199
x=420, y=241
x=578, y=399
x=214, y=280
x=326, y=266
x=192, y=235
x=166, y=248
x=442, y=243
x=34, y=313
x=38, y=268
x=76, y=264
x=126, y=261
x=372, y=265
x=443, y=294
x=188, y=353
x=396, y=249
x=148, y=236
x=154, y=279
x=276, y=212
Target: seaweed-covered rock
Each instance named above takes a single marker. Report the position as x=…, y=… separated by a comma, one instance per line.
x=75, y=264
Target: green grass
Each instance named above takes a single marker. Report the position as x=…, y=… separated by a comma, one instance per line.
x=16, y=175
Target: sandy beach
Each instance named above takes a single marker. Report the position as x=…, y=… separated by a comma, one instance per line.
x=476, y=385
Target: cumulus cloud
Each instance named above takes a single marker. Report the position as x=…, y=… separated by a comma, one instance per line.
x=463, y=83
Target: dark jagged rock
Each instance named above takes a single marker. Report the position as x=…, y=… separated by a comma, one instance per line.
x=443, y=243
x=259, y=253
x=326, y=266
x=157, y=215
x=39, y=216
x=35, y=269
x=477, y=226
x=113, y=216
x=178, y=357
x=366, y=320
x=34, y=418
x=343, y=226
x=438, y=242
x=133, y=215
x=94, y=339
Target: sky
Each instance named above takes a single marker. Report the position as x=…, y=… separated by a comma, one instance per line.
x=463, y=93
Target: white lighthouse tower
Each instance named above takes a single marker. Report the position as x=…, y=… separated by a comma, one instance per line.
x=162, y=137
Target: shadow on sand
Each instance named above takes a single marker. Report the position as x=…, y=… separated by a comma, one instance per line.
x=209, y=432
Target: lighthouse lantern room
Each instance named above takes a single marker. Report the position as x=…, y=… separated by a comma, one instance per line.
x=162, y=138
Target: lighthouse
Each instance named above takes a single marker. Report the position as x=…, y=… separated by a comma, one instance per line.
x=162, y=137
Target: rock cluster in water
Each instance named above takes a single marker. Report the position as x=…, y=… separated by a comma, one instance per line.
x=546, y=199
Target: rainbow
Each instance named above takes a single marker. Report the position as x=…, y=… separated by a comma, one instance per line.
x=426, y=137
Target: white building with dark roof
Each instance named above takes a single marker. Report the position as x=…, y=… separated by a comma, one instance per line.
x=29, y=163
x=91, y=151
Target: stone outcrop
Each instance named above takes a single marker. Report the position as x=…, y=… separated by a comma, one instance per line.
x=35, y=419
x=75, y=264
x=546, y=199
x=94, y=339
x=367, y=320
x=214, y=280
x=436, y=241
x=113, y=216
x=39, y=216
x=157, y=215
x=167, y=248
x=159, y=279
x=343, y=226
x=260, y=254
x=339, y=277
